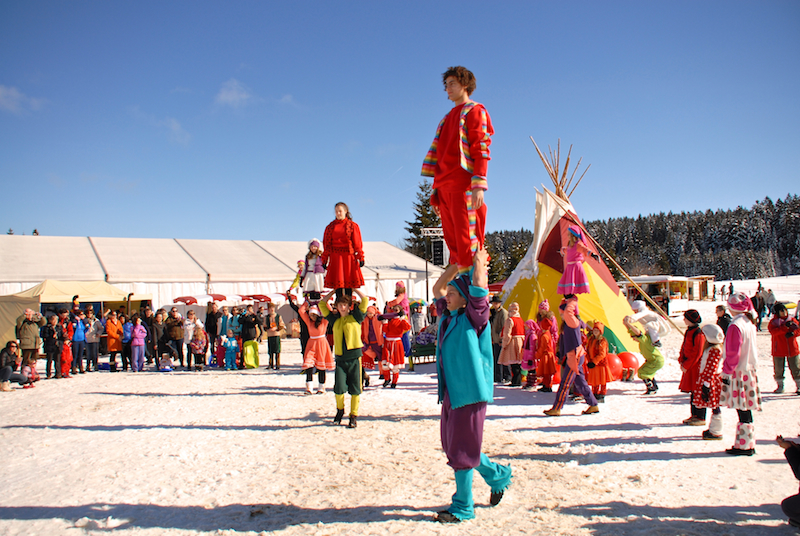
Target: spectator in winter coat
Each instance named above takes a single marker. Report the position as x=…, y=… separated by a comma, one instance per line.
x=94, y=329
x=723, y=318
x=499, y=318
x=784, y=332
x=689, y=359
x=212, y=325
x=175, y=333
x=53, y=336
x=28, y=325
x=10, y=362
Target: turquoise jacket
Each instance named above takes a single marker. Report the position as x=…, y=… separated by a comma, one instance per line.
x=464, y=360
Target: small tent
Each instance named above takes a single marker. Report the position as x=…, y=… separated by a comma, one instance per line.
x=51, y=291
x=536, y=276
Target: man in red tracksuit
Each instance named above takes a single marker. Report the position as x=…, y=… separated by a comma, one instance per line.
x=457, y=161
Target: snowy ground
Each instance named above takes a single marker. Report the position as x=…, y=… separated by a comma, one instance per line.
x=245, y=453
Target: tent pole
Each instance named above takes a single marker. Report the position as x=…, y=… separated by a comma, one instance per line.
x=625, y=275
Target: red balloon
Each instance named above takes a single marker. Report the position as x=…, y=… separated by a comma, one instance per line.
x=629, y=361
x=614, y=366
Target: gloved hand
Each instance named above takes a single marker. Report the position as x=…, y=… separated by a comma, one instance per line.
x=590, y=365
x=324, y=265
x=361, y=264
x=705, y=393
x=726, y=381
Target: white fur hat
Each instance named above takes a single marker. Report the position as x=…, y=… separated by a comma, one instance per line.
x=638, y=306
x=713, y=333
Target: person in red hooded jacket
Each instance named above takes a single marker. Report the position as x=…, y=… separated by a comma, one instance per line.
x=784, y=332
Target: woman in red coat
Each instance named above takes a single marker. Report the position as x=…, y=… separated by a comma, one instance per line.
x=689, y=359
x=342, y=253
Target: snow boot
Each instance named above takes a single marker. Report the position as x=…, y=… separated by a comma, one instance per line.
x=308, y=388
x=353, y=422
x=745, y=443
x=714, y=431
x=779, y=390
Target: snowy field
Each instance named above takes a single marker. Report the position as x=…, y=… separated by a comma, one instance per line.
x=246, y=453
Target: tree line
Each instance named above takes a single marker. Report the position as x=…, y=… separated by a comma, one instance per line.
x=762, y=241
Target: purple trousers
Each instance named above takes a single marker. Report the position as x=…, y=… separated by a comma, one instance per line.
x=462, y=434
x=568, y=378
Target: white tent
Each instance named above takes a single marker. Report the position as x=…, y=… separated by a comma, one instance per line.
x=169, y=268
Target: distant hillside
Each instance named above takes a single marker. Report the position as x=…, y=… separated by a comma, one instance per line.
x=763, y=241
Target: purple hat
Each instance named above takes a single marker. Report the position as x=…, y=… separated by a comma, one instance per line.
x=462, y=284
x=313, y=242
x=739, y=302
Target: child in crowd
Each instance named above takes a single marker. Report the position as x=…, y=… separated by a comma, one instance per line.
x=653, y=360
x=231, y=349
x=529, y=363
x=689, y=359
x=401, y=299
x=52, y=337
x=465, y=371
x=318, y=352
x=513, y=336
x=274, y=326
x=653, y=324
x=372, y=338
x=394, y=357
x=572, y=356
x=573, y=279
x=709, y=384
x=784, y=332
x=597, y=352
x=198, y=347
x=29, y=372
x=419, y=320
x=66, y=346
x=138, y=340
x=346, y=322
x=343, y=254
x=547, y=365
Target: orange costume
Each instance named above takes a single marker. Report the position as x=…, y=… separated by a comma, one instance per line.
x=373, y=345
x=318, y=351
x=599, y=375
x=546, y=356
x=114, y=332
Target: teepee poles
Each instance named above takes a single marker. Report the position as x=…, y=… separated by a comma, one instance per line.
x=558, y=175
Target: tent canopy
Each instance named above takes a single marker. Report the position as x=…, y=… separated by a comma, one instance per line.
x=536, y=276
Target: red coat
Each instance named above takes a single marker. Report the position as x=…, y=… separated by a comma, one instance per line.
x=783, y=346
x=343, y=254
x=689, y=359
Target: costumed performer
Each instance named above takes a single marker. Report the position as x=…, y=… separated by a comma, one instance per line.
x=599, y=374
x=313, y=278
x=513, y=336
x=343, y=254
x=318, y=352
x=346, y=321
x=709, y=383
x=458, y=161
x=653, y=324
x=653, y=360
x=739, y=381
x=394, y=356
x=529, y=363
x=573, y=278
x=572, y=355
x=465, y=373
x=372, y=337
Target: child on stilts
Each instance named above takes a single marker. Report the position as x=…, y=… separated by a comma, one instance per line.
x=465, y=369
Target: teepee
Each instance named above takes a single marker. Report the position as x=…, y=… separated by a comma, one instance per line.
x=536, y=276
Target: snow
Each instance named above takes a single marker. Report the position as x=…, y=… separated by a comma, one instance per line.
x=246, y=453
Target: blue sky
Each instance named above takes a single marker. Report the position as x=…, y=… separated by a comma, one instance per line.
x=249, y=120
